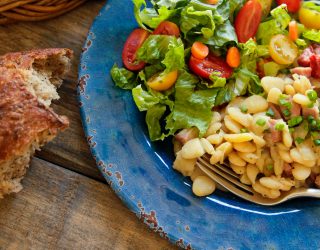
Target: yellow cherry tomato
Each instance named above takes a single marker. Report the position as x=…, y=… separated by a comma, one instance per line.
x=309, y=18
x=282, y=49
x=161, y=82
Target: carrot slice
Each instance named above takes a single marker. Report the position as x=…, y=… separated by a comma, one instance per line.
x=233, y=57
x=293, y=30
x=199, y=50
x=212, y=1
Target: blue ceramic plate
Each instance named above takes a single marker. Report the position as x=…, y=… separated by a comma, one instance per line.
x=140, y=171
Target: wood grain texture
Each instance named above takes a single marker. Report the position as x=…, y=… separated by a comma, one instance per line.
x=70, y=149
x=60, y=209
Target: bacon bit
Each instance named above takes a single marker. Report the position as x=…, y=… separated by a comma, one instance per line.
x=187, y=134
x=275, y=134
x=314, y=112
x=277, y=114
x=303, y=71
x=315, y=65
x=287, y=170
x=317, y=181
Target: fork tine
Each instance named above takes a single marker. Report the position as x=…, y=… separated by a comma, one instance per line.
x=223, y=167
x=225, y=176
x=226, y=184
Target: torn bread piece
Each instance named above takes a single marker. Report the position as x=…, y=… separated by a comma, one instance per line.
x=28, y=84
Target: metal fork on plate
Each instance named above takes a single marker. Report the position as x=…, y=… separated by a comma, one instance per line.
x=228, y=179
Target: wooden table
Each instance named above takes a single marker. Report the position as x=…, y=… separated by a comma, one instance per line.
x=65, y=203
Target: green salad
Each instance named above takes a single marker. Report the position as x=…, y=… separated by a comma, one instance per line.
x=189, y=56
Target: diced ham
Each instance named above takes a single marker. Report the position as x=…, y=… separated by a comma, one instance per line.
x=295, y=110
x=317, y=181
x=186, y=135
x=303, y=71
x=304, y=58
x=316, y=48
x=287, y=170
x=314, y=112
x=277, y=114
x=315, y=65
x=275, y=134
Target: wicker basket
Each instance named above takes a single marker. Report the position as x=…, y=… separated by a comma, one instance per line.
x=34, y=10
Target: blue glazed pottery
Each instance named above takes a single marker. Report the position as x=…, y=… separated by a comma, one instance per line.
x=141, y=174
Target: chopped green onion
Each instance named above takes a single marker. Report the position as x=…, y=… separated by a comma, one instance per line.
x=299, y=140
x=244, y=130
x=312, y=95
x=286, y=112
x=314, y=134
x=310, y=118
x=279, y=126
x=284, y=102
x=270, y=112
x=316, y=142
x=295, y=121
x=269, y=167
x=261, y=122
x=310, y=105
x=244, y=109
x=291, y=130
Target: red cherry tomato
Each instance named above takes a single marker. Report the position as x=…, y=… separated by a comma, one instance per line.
x=167, y=28
x=133, y=43
x=248, y=20
x=293, y=5
x=204, y=67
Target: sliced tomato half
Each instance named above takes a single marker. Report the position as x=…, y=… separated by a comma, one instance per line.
x=205, y=67
x=129, y=52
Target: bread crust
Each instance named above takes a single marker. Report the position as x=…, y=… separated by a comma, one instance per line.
x=25, y=59
x=22, y=117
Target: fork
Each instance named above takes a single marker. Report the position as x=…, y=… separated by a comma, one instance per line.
x=228, y=179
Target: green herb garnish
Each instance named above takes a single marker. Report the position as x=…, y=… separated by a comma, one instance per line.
x=244, y=109
x=286, y=112
x=244, y=130
x=270, y=167
x=261, y=122
x=270, y=112
x=295, y=121
x=312, y=95
x=316, y=142
x=299, y=140
x=279, y=126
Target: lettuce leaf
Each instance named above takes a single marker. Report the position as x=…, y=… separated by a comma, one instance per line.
x=224, y=34
x=153, y=117
x=123, y=78
x=277, y=25
x=150, y=17
x=200, y=19
x=165, y=50
x=312, y=34
x=249, y=55
x=192, y=107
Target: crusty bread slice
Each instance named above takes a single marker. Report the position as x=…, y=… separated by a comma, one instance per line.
x=28, y=83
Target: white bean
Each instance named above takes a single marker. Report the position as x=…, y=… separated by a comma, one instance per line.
x=232, y=125
x=238, y=137
x=184, y=166
x=235, y=159
x=203, y=185
x=192, y=149
x=252, y=172
x=255, y=104
x=269, y=82
x=245, y=147
x=300, y=172
x=238, y=116
x=301, y=99
x=248, y=157
x=207, y=146
x=273, y=95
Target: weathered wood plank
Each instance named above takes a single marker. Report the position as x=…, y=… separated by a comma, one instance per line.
x=60, y=209
x=70, y=30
